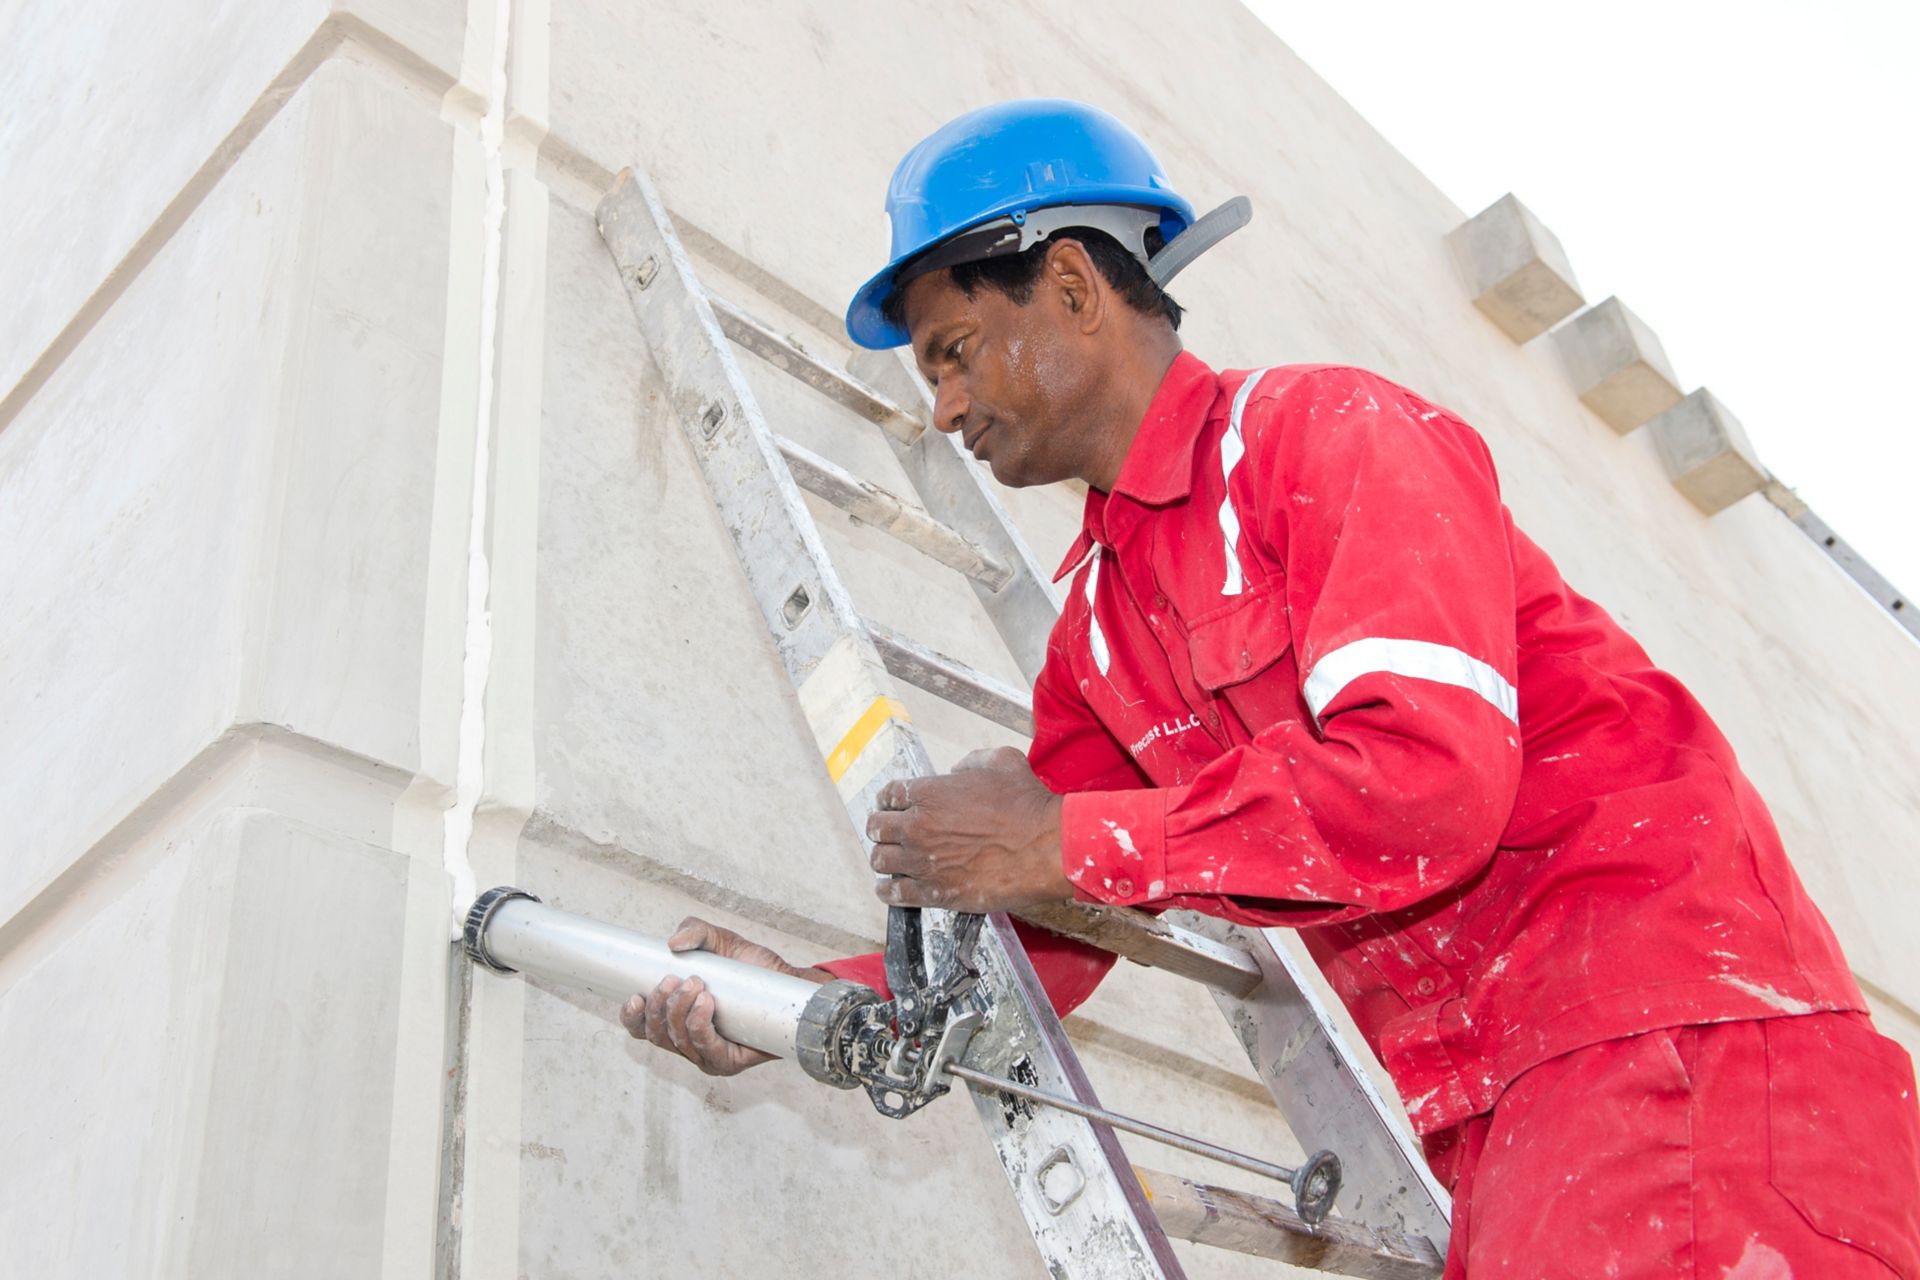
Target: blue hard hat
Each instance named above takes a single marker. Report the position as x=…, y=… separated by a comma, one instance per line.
x=992, y=169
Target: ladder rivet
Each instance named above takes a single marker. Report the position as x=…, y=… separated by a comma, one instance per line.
x=644, y=273
x=796, y=607
x=710, y=420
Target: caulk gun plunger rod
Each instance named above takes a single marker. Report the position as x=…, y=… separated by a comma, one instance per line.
x=752, y=1006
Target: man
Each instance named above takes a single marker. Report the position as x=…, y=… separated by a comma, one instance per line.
x=1310, y=674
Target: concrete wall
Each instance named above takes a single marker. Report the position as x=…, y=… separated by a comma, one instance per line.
x=252, y=254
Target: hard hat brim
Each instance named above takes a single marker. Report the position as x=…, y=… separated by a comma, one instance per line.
x=866, y=321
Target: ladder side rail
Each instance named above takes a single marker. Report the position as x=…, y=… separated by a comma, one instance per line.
x=1326, y=1096
x=1075, y=1185
x=823, y=643
x=1083, y=1205
x=807, y=611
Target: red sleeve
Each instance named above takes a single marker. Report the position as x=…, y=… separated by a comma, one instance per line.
x=1069, y=970
x=1071, y=751
x=1399, y=597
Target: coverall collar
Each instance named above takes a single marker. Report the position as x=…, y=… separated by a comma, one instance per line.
x=1159, y=464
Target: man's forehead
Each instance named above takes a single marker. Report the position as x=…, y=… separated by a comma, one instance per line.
x=929, y=304
x=931, y=298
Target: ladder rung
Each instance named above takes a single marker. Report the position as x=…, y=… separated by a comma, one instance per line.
x=893, y=514
x=783, y=353
x=1149, y=940
x=1265, y=1228
x=953, y=680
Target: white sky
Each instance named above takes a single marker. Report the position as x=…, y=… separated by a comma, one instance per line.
x=1742, y=175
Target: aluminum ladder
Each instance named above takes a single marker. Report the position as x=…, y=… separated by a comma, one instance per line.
x=1104, y=1222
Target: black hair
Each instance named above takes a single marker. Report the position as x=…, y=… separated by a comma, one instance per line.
x=1016, y=275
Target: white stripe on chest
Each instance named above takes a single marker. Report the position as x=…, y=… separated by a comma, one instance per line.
x=1233, y=447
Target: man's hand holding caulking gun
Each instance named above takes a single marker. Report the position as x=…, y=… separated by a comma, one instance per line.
x=985, y=837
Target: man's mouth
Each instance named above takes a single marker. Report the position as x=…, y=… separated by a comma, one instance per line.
x=973, y=443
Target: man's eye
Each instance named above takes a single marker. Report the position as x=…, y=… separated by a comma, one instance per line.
x=953, y=351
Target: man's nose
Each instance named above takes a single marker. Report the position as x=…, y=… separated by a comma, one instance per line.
x=950, y=405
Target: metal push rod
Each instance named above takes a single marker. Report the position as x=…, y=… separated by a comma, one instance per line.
x=1314, y=1183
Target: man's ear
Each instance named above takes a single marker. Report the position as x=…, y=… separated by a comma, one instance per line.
x=1071, y=275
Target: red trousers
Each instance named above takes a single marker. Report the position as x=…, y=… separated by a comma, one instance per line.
x=1764, y=1150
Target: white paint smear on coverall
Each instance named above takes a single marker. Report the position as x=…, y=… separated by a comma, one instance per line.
x=1767, y=995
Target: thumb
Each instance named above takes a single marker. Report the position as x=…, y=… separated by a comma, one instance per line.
x=695, y=934
x=992, y=758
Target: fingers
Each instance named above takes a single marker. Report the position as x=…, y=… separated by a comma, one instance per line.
x=679, y=1006
x=678, y=1017
x=899, y=860
x=633, y=1016
x=656, y=1015
x=895, y=795
x=695, y=934
x=707, y=1042
x=886, y=827
x=905, y=891
x=894, y=851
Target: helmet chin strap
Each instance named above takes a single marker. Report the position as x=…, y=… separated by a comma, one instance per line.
x=1205, y=233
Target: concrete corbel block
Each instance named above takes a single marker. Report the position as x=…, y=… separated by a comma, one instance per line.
x=1707, y=454
x=1617, y=365
x=1518, y=273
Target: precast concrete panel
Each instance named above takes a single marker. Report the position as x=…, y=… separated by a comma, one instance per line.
x=356, y=423
x=113, y=110
x=209, y=1050
x=136, y=492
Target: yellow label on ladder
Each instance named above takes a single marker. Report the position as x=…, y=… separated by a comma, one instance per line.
x=864, y=730
x=853, y=715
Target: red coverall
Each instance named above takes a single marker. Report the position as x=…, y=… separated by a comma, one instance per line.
x=1310, y=674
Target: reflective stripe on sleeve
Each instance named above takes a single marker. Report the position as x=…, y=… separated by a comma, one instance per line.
x=1096, y=639
x=1419, y=659
x=1233, y=447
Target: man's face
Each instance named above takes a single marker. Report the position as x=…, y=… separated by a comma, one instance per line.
x=1007, y=377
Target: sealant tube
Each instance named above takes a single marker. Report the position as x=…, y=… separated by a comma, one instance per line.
x=508, y=931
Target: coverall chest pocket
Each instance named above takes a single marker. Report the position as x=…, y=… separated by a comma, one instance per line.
x=1239, y=653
